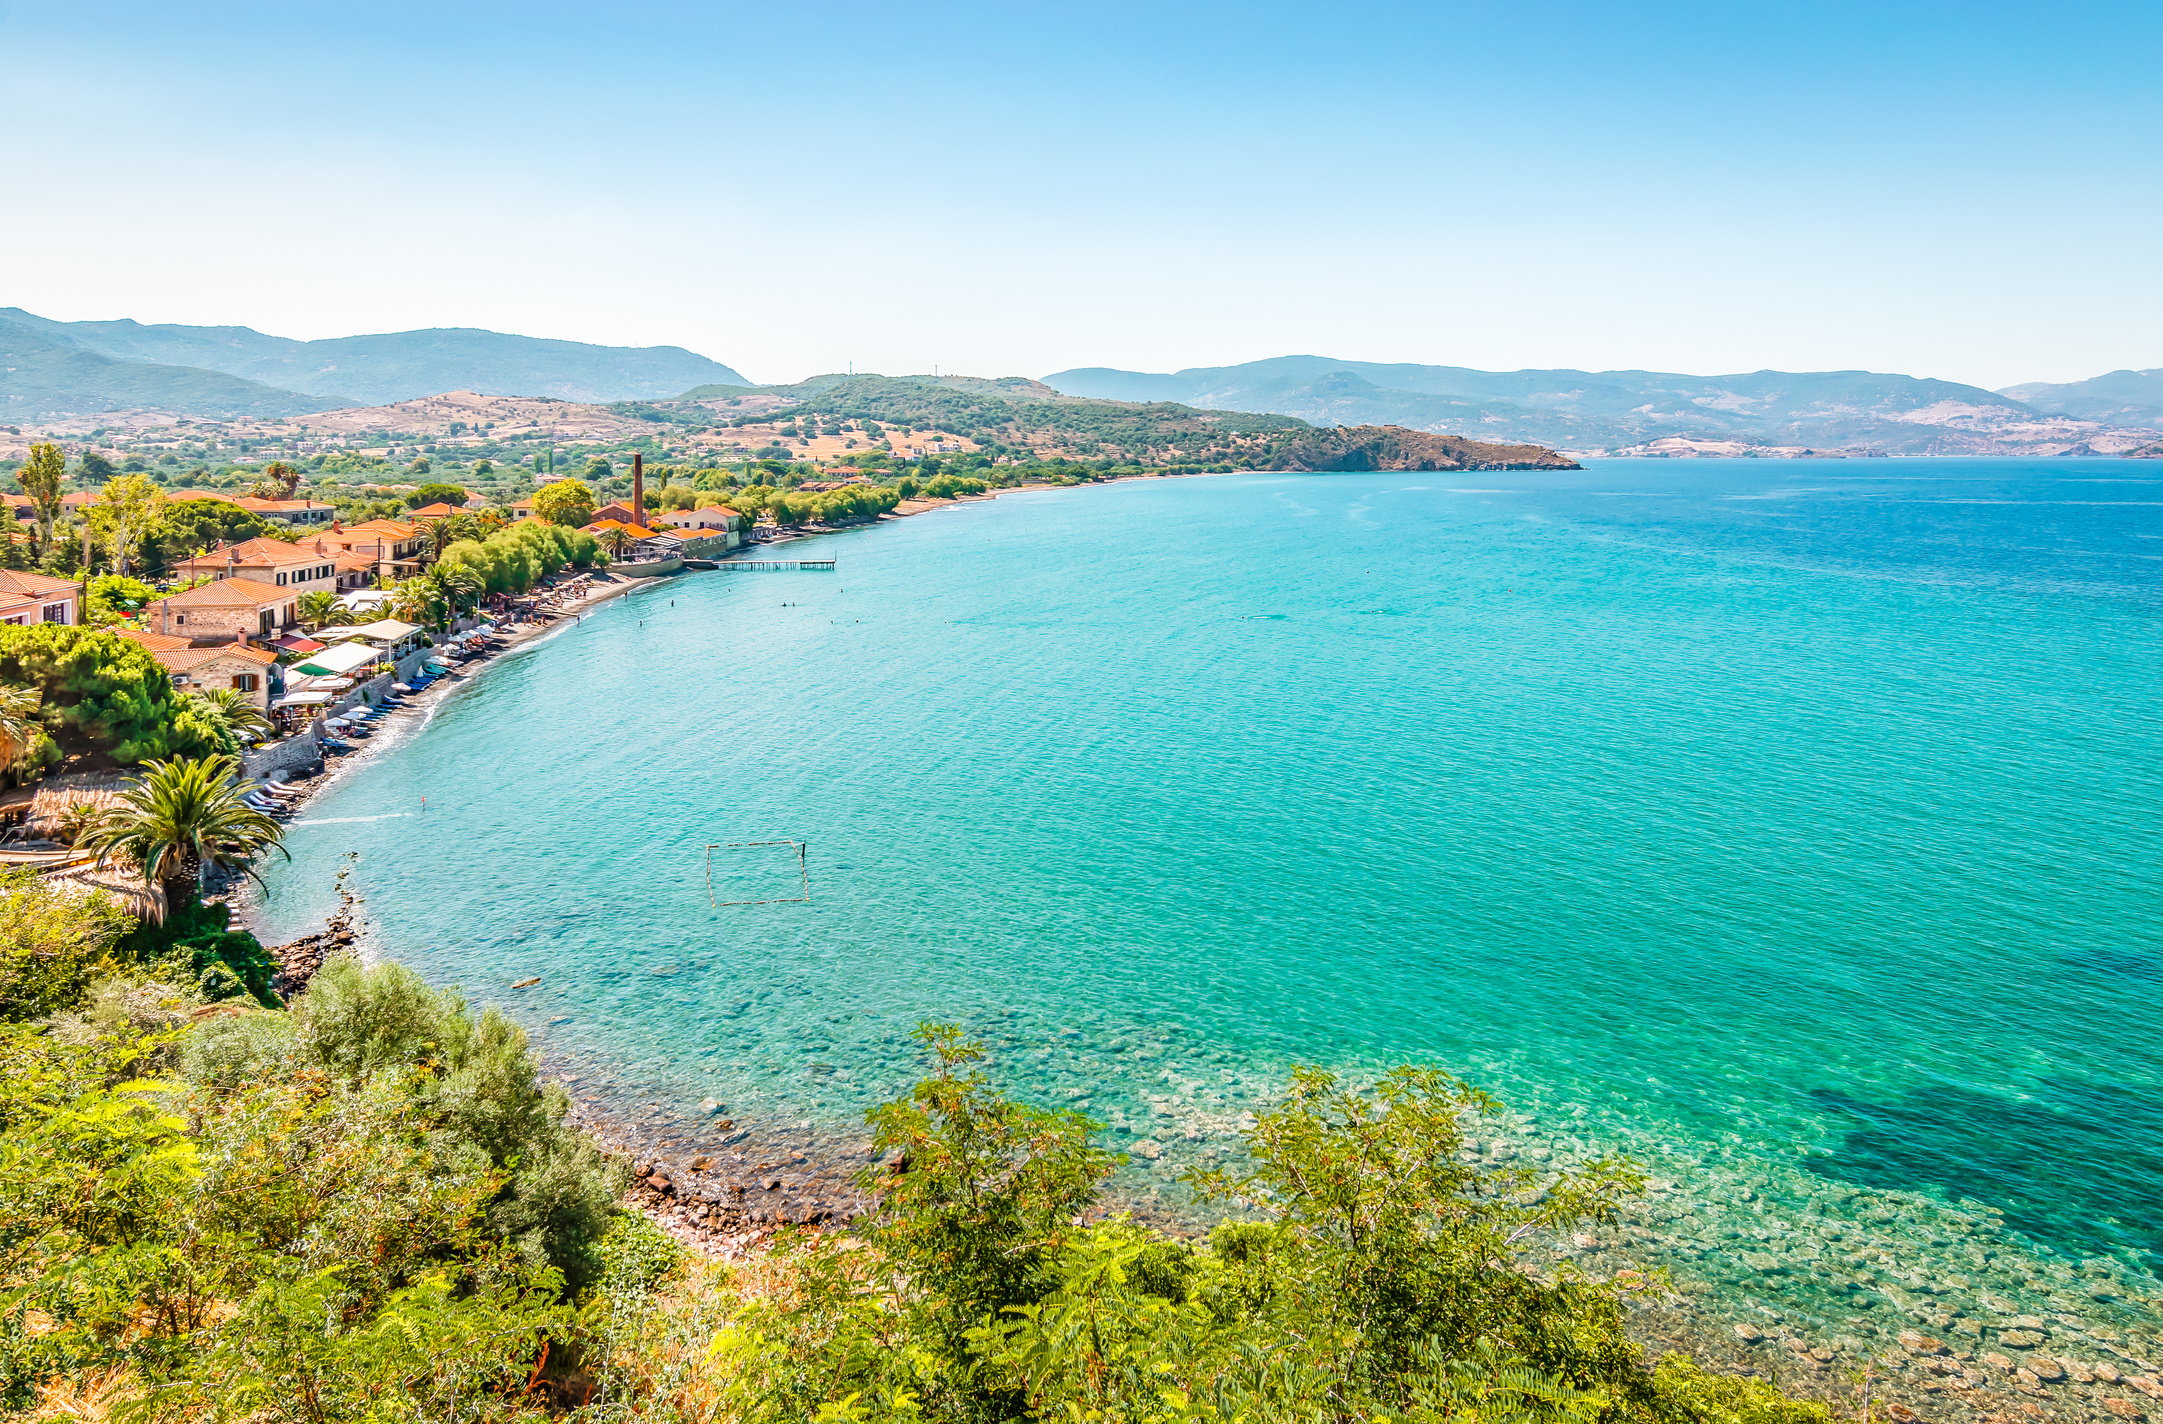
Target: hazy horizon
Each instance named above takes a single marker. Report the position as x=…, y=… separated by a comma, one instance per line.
x=1915, y=188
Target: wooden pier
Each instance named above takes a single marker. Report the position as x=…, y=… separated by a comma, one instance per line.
x=761, y=566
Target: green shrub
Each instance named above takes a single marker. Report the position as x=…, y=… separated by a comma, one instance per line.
x=53, y=939
x=475, y=1081
x=113, y=597
x=195, y=944
x=1375, y=1276
x=636, y=1256
x=105, y=691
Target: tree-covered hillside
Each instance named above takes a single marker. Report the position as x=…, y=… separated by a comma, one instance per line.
x=1027, y=418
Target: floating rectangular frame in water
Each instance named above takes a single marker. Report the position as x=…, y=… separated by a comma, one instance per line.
x=803, y=870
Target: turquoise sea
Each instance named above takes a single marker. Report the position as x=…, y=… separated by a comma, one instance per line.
x=1791, y=825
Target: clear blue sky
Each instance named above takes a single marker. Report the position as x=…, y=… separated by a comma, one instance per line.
x=1970, y=190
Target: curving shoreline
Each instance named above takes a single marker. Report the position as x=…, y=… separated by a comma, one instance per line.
x=1742, y=1228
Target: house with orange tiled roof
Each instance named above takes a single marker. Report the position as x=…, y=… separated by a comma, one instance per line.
x=156, y=642
x=289, y=511
x=651, y=543
x=636, y=531
x=395, y=545
x=37, y=598
x=222, y=611
x=428, y=513
x=408, y=535
x=354, y=570
x=306, y=567
x=242, y=667
x=708, y=516
x=708, y=532
x=73, y=499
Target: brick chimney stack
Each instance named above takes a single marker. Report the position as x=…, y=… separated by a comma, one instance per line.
x=638, y=490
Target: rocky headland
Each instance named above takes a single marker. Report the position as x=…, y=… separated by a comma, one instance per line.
x=1393, y=447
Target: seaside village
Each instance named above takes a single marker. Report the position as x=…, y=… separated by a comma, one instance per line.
x=293, y=646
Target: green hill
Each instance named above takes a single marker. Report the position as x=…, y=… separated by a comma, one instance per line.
x=44, y=376
x=400, y=365
x=1023, y=417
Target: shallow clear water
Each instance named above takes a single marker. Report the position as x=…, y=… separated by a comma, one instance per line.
x=1793, y=825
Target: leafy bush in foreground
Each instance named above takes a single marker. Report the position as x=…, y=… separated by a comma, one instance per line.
x=52, y=942
x=471, y=1080
x=367, y=1208
x=1375, y=1276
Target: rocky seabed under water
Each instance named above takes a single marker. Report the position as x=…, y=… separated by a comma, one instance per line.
x=1937, y=1311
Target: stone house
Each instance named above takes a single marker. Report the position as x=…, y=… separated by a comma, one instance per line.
x=223, y=611
x=301, y=512
x=307, y=567
x=241, y=666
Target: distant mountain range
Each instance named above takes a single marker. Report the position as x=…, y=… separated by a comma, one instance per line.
x=43, y=376
x=2120, y=398
x=1655, y=412
x=67, y=368
x=52, y=370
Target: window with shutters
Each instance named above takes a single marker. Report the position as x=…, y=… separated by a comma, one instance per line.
x=245, y=682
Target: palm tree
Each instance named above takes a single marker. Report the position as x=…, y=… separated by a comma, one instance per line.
x=617, y=541
x=19, y=724
x=233, y=711
x=280, y=481
x=444, y=532
x=417, y=600
x=456, y=586
x=180, y=816
x=316, y=609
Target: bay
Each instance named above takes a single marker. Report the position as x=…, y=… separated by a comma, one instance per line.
x=1789, y=825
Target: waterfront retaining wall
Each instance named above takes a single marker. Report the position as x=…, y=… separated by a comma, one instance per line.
x=370, y=692
x=292, y=756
